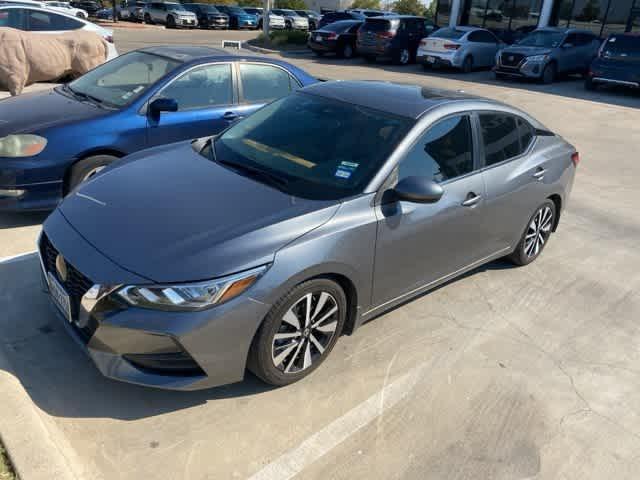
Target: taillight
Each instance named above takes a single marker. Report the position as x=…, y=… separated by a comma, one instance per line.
x=451, y=46
x=575, y=158
x=332, y=36
x=109, y=38
x=385, y=35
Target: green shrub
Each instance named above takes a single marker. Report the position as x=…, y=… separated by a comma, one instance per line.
x=282, y=37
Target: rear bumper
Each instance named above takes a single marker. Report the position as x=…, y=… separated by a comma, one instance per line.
x=322, y=47
x=382, y=52
x=427, y=57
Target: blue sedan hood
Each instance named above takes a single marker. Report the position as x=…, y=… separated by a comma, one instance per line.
x=34, y=112
x=171, y=215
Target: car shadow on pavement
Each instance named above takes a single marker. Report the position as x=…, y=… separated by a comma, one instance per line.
x=57, y=374
x=567, y=86
x=22, y=219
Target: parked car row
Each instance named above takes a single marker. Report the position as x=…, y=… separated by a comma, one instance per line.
x=543, y=54
x=253, y=245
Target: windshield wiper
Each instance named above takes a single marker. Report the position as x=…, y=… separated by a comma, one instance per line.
x=85, y=96
x=261, y=175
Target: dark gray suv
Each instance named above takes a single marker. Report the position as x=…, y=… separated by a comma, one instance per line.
x=547, y=52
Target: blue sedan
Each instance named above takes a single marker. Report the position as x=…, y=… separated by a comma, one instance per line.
x=52, y=141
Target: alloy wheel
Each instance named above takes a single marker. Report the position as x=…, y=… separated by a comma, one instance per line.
x=91, y=173
x=538, y=231
x=348, y=51
x=305, y=332
x=404, y=56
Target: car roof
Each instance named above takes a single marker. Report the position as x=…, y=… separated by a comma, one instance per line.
x=200, y=54
x=392, y=17
x=564, y=30
x=400, y=99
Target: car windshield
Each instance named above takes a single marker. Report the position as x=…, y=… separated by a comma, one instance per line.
x=622, y=46
x=291, y=13
x=376, y=25
x=174, y=7
x=448, y=33
x=307, y=142
x=122, y=80
x=541, y=38
x=236, y=10
x=340, y=26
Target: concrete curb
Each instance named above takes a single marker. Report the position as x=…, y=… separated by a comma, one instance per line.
x=124, y=25
x=28, y=437
x=253, y=48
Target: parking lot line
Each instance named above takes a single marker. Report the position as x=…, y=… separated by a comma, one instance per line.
x=16, y=258
x=322, y=442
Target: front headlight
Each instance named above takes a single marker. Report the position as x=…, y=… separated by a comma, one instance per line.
x=190, y=297
x=14, y=146
x=537, y=58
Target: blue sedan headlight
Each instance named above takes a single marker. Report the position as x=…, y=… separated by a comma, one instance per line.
x=189, y=297
x=15, y=146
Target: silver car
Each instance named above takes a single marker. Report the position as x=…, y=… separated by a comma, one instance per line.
x=292, y=20
x=172, y=15
x=297, y=224
x=464, y=48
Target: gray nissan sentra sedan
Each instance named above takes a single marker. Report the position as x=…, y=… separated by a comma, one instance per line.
x=184, y=265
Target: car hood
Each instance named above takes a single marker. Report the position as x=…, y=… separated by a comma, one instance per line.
x=34, y=112
x=171, y=215
x=528, y=51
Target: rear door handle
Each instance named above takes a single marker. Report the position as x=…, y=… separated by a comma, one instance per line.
x=539, y=175
x=472, y=199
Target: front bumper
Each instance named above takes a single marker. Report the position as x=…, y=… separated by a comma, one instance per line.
x=525, y=69
x=186, y=22
x=244, y=23
x=36, y=196
x=169, y=350
x=217, y=22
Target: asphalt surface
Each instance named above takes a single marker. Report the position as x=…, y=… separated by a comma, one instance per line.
x=506, y=373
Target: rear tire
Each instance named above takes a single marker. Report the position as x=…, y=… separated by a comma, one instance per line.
x=401, y=56
x=346, y=51
x=536, y=234
x=467, y=64
x=85, y=169
x=301, y=347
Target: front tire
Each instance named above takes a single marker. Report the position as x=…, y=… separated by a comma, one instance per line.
x=549, y=73
x=536, y=234
x=171, y=22
x=87, y=168
x=147, y=19
x=299, y=332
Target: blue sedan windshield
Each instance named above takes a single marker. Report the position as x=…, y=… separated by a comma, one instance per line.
x=317, y=147
x=122, y=80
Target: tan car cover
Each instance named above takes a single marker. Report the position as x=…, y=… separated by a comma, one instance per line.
x=27, y=57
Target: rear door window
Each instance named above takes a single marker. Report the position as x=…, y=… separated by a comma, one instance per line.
x=263, y=83
x=13, y=18
x=504, y=136
x=622, y=46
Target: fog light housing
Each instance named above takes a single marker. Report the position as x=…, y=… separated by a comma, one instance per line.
x=11, y=192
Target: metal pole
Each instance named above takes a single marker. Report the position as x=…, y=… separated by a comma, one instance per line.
x=115, y=10
x=266, y=10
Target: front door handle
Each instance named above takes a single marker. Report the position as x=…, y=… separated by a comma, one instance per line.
x=472, y=199
x=539, y=175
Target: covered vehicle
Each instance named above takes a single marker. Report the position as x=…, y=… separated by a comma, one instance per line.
x=464, y=48
x=26, y=57
x=53, y=140
x=617, y=63
x=547, y=52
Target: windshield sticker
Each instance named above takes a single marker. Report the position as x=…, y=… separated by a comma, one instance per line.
x=342, y=173
x=349, y=165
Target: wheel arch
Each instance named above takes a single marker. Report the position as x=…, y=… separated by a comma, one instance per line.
x=557, y=201
x=83, y=156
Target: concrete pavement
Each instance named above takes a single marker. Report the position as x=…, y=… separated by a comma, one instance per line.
x=506, y=373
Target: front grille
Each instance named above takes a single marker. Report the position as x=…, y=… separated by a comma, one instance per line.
x=76, y=284
x=511, y=59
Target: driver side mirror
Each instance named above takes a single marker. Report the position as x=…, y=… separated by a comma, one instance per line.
x=162, y=105
x=418, y=190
